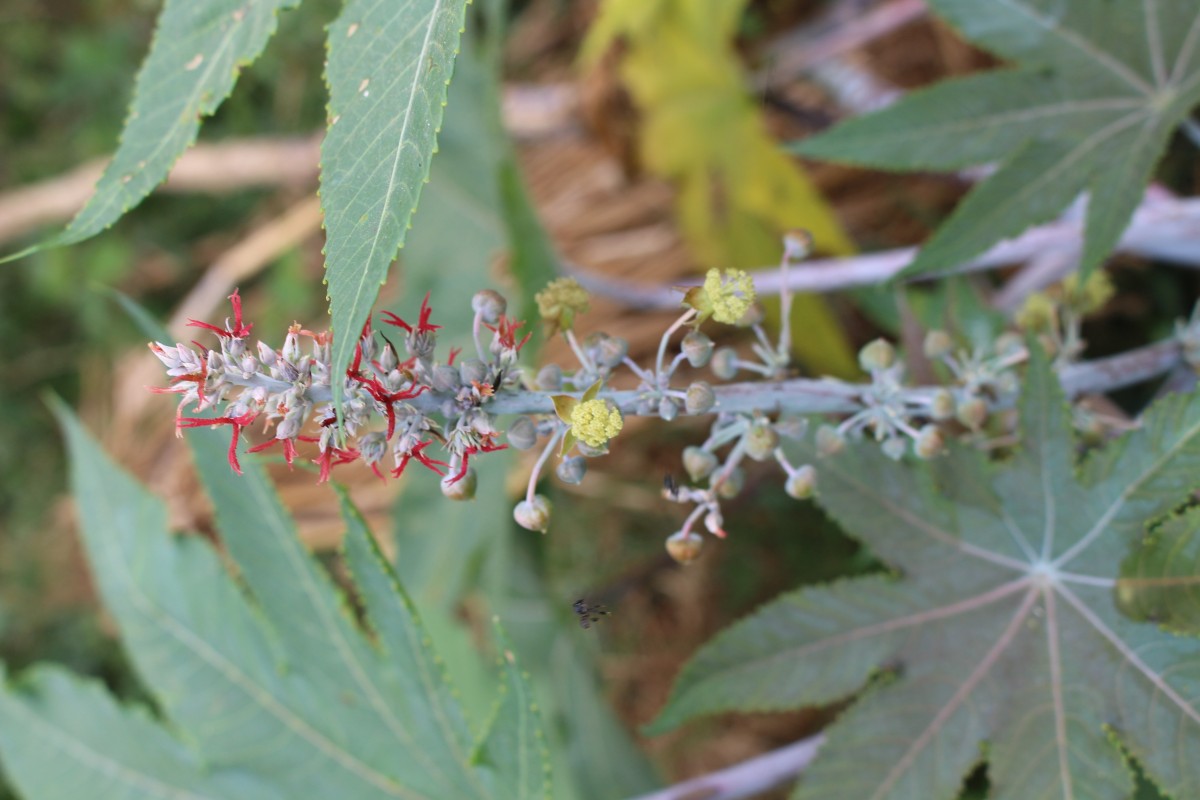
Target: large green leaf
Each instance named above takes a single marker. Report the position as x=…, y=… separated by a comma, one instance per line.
x=283, y=694
x=388, y=69
x=198, y=51
x=997, y=632
x=62, y=736
x=1099, y=88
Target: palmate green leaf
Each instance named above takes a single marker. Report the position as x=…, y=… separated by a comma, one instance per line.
x=998, y=629
x=388, y=69
x=1160, y=581
x=1096, y=93
x=278, y=697
x=193, y=64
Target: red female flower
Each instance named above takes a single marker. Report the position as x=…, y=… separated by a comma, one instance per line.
x=238, y=331
x=331, y=457
x=386, y=398
x=416, y=453
x=423, y=323
x=289, y=448
x=237, y=423
x=483, y=447
x=506, y=331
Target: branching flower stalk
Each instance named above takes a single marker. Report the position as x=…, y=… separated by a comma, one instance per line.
x=446, y=414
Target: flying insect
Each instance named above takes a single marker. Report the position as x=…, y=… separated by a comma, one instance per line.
x=588, y=613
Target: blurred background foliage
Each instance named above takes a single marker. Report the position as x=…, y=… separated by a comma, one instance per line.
x=68, y=67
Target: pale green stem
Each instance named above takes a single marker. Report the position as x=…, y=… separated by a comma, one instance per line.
x=684, y=319
x=541, y=462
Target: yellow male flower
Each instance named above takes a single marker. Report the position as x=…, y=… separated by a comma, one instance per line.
x=593, y=421
x=560, y=301
x=725, y=296
x=596, y=421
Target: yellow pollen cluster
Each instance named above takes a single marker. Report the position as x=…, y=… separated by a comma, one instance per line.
x=561, y=300
x=595, y=421
x=729, y=294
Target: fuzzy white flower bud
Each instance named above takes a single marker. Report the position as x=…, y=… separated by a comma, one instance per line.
x=700, y=398
x=571, y=470
x=445, y=378
x=549, y=378
x=472, y=370
x=697, y=348
x=929, y=442
x=461, y=489
x=802, y=483
x=732, y=485
x=876, y=355
x=973, y=413
x=938, y=344
x=489, y=305
x=698, y=462
x=943, y=405
x=724, y=363
x=684, y=547
x=522, y=433
x=533, y=515
x=829, y=441
x=761, y=440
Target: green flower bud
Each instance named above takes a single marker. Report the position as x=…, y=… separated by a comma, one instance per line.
x=698, y=462
x=668, y=409
x=472, y=370
x=937, y=344
x=463, y=488
x=700, y=398
x=549, y=378
x=571, y=470
x=761, y=441
x=829, y=441
x=684, y=547
x=533, y=515
x=586, y=450
x=724, y=363
x=446, y=378
x=608, y=351
x=876, y=355
x=522, y=433
x=802, y=483
x=697, y=348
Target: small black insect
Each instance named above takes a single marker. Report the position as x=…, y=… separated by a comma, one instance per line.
x=588, y=613
x=669, y=485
